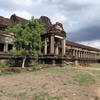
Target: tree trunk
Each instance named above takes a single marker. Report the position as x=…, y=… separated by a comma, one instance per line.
x=23, y=64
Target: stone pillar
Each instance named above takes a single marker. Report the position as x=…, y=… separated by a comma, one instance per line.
x=85, y=54
x=56, y=49
x=76, y=54
x=6, y=47
x=80, y=54
x=73, y=52
x=52, y=44
x=76, y=63
x=63, y=47
x=45, y=47
x=53, y=62
x=89, y=55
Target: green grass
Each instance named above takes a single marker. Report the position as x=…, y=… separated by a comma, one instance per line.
x=45, y=96
x=84, y=79
x=96, y=74
x=55, y=70
x=97, y=65
x=22, y=94
x=9, y=74
x=59, y=70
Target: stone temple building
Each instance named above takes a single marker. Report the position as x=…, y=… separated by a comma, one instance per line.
x=57, y=49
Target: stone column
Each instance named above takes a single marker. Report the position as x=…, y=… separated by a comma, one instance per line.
x=85, y=54
x=80, y=54
x=89, y=55
x=63, y=47
x=56, y=49
x=52, y=44
x=73, y=52
x=76, y=63
x=45, y=47
x=76, y=54
x=6, y=47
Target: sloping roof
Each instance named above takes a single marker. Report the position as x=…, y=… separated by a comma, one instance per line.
x=5, y=22
x=81, y=46
x=18, y=20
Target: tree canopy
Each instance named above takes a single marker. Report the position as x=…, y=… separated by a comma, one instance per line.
x=27, y=39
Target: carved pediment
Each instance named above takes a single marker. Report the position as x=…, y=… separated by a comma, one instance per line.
x=59, y=28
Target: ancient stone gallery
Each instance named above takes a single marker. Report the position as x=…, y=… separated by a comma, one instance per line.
x=57, y=49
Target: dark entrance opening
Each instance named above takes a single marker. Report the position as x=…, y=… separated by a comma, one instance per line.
x=10, y=46
x=1, y=47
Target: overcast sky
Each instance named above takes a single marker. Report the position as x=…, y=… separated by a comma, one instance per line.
x=81, y=18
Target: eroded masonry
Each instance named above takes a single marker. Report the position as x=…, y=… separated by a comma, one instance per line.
x=57, y=50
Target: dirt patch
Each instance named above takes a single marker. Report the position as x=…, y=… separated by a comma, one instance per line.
x=56, y=82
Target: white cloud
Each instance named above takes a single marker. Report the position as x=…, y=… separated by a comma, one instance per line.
x=75, y=15
x=95, y=43
x=82, y=2
x=22, y=2
x=22, y=13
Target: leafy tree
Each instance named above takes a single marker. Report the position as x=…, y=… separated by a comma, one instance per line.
x=27, y=39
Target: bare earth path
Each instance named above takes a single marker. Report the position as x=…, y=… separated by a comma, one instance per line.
x=97, y=87
x=56, y=82
x=98, y=90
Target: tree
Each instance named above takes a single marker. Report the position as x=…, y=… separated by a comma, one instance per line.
x=27, y=39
